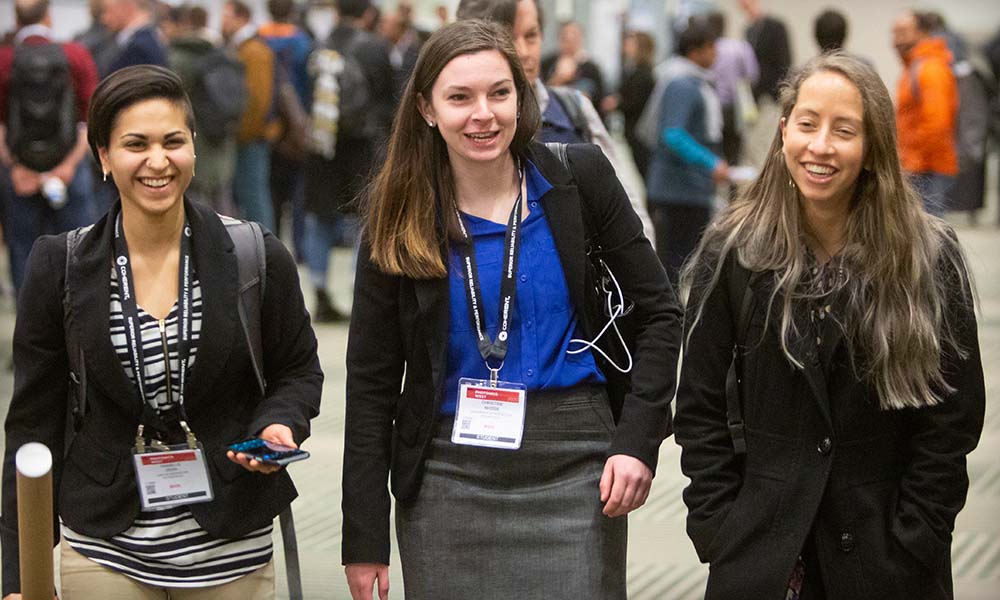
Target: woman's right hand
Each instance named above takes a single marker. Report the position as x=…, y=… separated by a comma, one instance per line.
x=362, y=576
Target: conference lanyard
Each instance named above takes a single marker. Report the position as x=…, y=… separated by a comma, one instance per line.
x=495, y=350
x=130, y=313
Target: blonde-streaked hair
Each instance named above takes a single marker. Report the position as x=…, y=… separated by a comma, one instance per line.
x=898, y=258
x=409, y=208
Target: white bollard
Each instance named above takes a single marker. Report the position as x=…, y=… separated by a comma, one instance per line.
x=34, y=520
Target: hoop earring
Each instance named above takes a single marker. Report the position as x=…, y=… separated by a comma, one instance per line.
x=791, y=183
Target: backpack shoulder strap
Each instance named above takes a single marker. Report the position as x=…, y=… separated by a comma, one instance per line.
x=739, y=287
x=74, y=349
x=570, y=100
x=252, y=261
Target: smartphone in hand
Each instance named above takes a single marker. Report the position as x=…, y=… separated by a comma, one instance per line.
x=269, y=453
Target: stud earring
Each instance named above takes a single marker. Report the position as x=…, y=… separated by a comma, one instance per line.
x=105, y=176
x=430, y=123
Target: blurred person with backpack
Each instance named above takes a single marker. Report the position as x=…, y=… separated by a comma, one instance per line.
x=926, y=108
x=291, y=46
x=45, y=90
x=686, y=137
x=353, y=102
x=214, y=79
x=259, y=126
x=976, y=93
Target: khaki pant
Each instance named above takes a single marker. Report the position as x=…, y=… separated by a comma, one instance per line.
x=84, y=579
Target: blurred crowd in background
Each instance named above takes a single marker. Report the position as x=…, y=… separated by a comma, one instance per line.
x=291, y=121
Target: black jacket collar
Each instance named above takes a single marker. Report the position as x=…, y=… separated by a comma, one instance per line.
x=89, y=288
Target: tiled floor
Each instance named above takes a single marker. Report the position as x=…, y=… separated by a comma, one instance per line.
x=662, y=563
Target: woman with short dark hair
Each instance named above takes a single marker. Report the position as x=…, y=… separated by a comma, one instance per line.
x=142, y=321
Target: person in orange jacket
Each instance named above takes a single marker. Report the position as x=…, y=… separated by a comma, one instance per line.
x=927, y=104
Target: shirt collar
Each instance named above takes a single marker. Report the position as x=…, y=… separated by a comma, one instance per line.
x=541, y=95
x=245, y=33
x=123, y=36
x=36, y=30
x=537, y=185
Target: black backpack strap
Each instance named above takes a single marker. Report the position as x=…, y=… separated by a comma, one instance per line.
x=74, y=349
x=739, y=287
x=569, y=99
x=248, y=240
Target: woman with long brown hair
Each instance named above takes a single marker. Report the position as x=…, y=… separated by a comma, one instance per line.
x=502, y=447
x=832, y=384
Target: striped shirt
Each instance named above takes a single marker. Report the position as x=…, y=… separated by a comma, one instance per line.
x=168, y=548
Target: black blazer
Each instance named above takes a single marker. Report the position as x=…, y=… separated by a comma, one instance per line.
x=95, y=487
x=400, y=324
x=878, y=490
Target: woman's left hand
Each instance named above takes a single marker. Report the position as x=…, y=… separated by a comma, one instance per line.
x=624, y=484
x=277, y=433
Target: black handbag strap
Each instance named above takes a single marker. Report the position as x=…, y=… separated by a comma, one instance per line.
x=739, y=287
x=589, y=231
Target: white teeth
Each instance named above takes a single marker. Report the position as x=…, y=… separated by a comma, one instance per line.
x=156, y=182
x=820, y=169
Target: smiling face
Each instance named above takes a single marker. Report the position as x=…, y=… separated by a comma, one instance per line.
x=823, y=140
x=473, y=104
x=150, y=154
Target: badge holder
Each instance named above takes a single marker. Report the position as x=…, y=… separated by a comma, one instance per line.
x=171, y=475
x=489, y=413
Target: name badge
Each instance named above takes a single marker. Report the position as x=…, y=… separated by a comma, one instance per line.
x=173, y=476
x=491, y=416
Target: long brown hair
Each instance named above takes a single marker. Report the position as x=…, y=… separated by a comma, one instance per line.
x=896, y=288
x=409, y=206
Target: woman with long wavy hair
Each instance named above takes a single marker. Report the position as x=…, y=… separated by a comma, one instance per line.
x=832, y=384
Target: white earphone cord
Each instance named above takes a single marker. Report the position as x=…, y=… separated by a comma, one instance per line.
x=616, y=311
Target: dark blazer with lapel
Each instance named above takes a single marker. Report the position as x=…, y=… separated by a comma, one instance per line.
x=400, y=324
x=95, y=485
x=879, y=490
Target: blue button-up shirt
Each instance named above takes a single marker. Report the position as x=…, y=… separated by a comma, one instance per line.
x=544, y=320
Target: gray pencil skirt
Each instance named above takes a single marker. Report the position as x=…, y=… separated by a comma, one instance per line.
x=523, y=523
